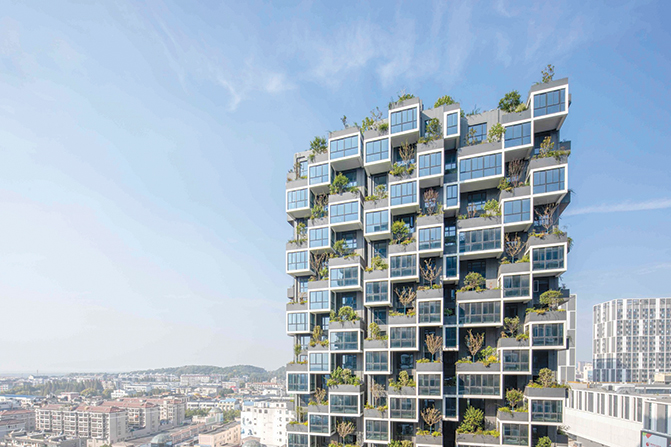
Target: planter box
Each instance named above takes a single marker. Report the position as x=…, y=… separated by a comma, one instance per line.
x=340, y=325
x=472, y=295
x=428, y=440
x=298, y=183
x=344, y=261
x=434, y=145
x=452, y=319
x=436, y=367
x=318, y=409
x=547, y=239
x=520, y=191
x=476, y=222
x=477, y=439
x=293, y=307
x=519, y=267
x=346, y=389
x=297, y=428
x=402, y=248
x=318, y=347
x=375, y=414
x=314, y=285
x=426, y=221
x=546, y=162
x=297, y=246
x=345, y=197
x=401, y=320
x=372, y=133
x=403, y=177
x=320, y=222
x=404, y=391
x=376, y=274
x=466, y=151
x=515, y=416
x=430, y=294
x=515, y=116
x=512, y=343
x=477, y=367
x=554, y=315
x=299, y=367
x=375, y=204
x=545, y=392
x=375, y=344
x=319, y=158
x=406, y=103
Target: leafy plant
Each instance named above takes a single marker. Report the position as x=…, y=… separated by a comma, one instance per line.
x=320, y=396
x=383, y=127
x=524, y=258
x=317, y=146
x=474, y=342
x=511, y=325
x=380, y=193
x=297, y=351
x=495, y=133
x=319, y=207
x=473, y=420
x=473, y=281
x=403, y=380
x=378, y=263
x=340, y=248
x=433, y=344
x=339, y=184
x=548, y=73
x=522, y=336
x=342, y=376
x=544, y=442
x=430, y=271
x=344, y=429
x=444, y=101
x=510, y=101
x=514, y=397
x=375, y=333
x=399, y=232
x=552, y=299
x=521, y=108
x=491, y=208
x=546, y=378
x=433, y=131
x=513, y=245
x=505, y=185
x=431, y=417
x=402, y=96
x=431, y=203
x=406, y=296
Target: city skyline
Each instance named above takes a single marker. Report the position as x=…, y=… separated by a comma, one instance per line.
x=138, y=230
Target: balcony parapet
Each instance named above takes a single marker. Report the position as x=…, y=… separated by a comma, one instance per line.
x=472, y=295
x=477, y=367
x=549, y=316
x=395, y=249
x=520, y=191
x=477, y=222
x=540, y=393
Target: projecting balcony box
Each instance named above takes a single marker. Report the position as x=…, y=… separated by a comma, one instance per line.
x=477, y=367
x=345, y=149
x=549, y=104
x=296, y=183
x=480, y=166
x=549, y=184
x=548, y=258
x=404, y=120
x=377, y=224
x=431, y=166
x=378, y=204
x=395, y=249
x=519, y=192
x=484, y=295
x=478, y=222
x=297, y=428
x=429, y=294
x=428, y=221
x=430, y=367
x=375, y=344
x=428, y=440
x=476, y=440
x=343, y=325
x=515, y=117
x=300, y=367
x=401, y=320
x=515, y=416
x=373, y=413
x=544, y=393
x=549, y=316
x=298, y=202
x=295, y=307
x=374, y=275
x=317, y=285
x=320, y=409
x=452, y=123
x=376, y=153
x=512, y=343
x=346, y=389
x=404, y=197
x=346, y=276
x=402, y=391
x=298, y=263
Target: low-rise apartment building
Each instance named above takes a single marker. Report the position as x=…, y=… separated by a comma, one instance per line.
x=143, y=418
x=267, y=420
x=40, y=440
x=25, y=416
x=229, y=434
x=104, y=423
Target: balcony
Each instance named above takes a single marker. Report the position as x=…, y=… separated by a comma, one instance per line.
x=346, y=389
x=395, y=249
x=429, y=221
x=428, y=440
x=370, y=205
x=296, y=307
x=319, y=409
x=429, y=294
x=377, y=152
x=519, y=192
x=297, y=428
x=375, y=344
x=431, y=367
x=515, y=416
x=515, y=267
x=407, y=391
x=345, y=149
x=549, y=316
x=512, y=343
x=472, y=295
x=297, y=367
x=317, y=285
x=478, y=222
x=551, y=119
x=401, y=320
x=376, y=275
x=473, y=439
x=548, y=239
x=477, y=367
x=372, y=413
x=543, y=393
x=508, y=118
x=340, y=325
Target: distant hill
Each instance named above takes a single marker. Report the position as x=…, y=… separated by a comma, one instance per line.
x=254, y=372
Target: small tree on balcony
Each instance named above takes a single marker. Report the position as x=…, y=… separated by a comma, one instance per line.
x=430, y=272
x=319, y=207
x=431, y=417
x=496, y=133
x=318, y=264
x=516, y=169
x=407, y=154
x=471, y=210
x=339, y=184
x=474, y=342
x=399, y=231
x=433, y=344
x=320, y=396
x=546, y=378
x=514, y=245
x=548, y=73
x=344, y=429
x=445, y=100
x=512, y=326
x=433, y=131
x=474, y=281
x=431, y=204
x=545, y=216
x=544, y=442
x=297, y=351
x=473, y=420
x=510, y=101
x=378, y=392
x=514, y=397
x=552, y=299
x=406, y=296
x=316, y=335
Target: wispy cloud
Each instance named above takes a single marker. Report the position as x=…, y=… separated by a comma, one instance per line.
x=646, y=205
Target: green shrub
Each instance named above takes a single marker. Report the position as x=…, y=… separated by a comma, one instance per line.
x=510, y=101
x=544, y=442
x=495, y=133
x=474, y=281
x=444, y=101
x=473, y=420
x=432, y=132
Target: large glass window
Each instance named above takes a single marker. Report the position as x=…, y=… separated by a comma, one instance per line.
x=517, y=211
x=430, y=164
x=297, y=440
x=550, y=102
x=297, y=260
x=479, y=385
x=319, y=237
x=377, y=430
x=515, y=360
x=430, y=238
x=345, y=277
x=450, y=407
x=480, y=313
x=319, y=361
x=377, y=221
x=451, y=337
x=475, y=202
x=405, y=265
x=429, y=384
x=450, y=238
x=546, y=410
x=402, y=408
x=319, y=174
x=429, y=311
x=320, y=300
x=451, y=195
x=297, y=383
x=377, y=292
x=344, y=341
x=344, y=404
x=480, y=133
x=478, y=167
x=515, y=434
x=344, y=212
x=297, y=322
x=402, y=337
x=380, y=248
x=350, y=238
x=404, y=120
x=297, y=199
x=452, y=124
x=477, y=240
x=518, y=135
x=319, y=423
x=377, y=150
x=477, y=266
x=403, y=193
x=548, y=258
x=450, y=266
x=344, y=147
x=517, y=285
x=547, y=334
x=377, y=361
x=549, y=180
x=380, y=316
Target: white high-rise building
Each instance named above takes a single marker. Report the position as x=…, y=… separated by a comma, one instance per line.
x=631, y=340
x=267, y=420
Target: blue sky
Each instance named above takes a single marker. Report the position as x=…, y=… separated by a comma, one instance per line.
x=145, y=147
